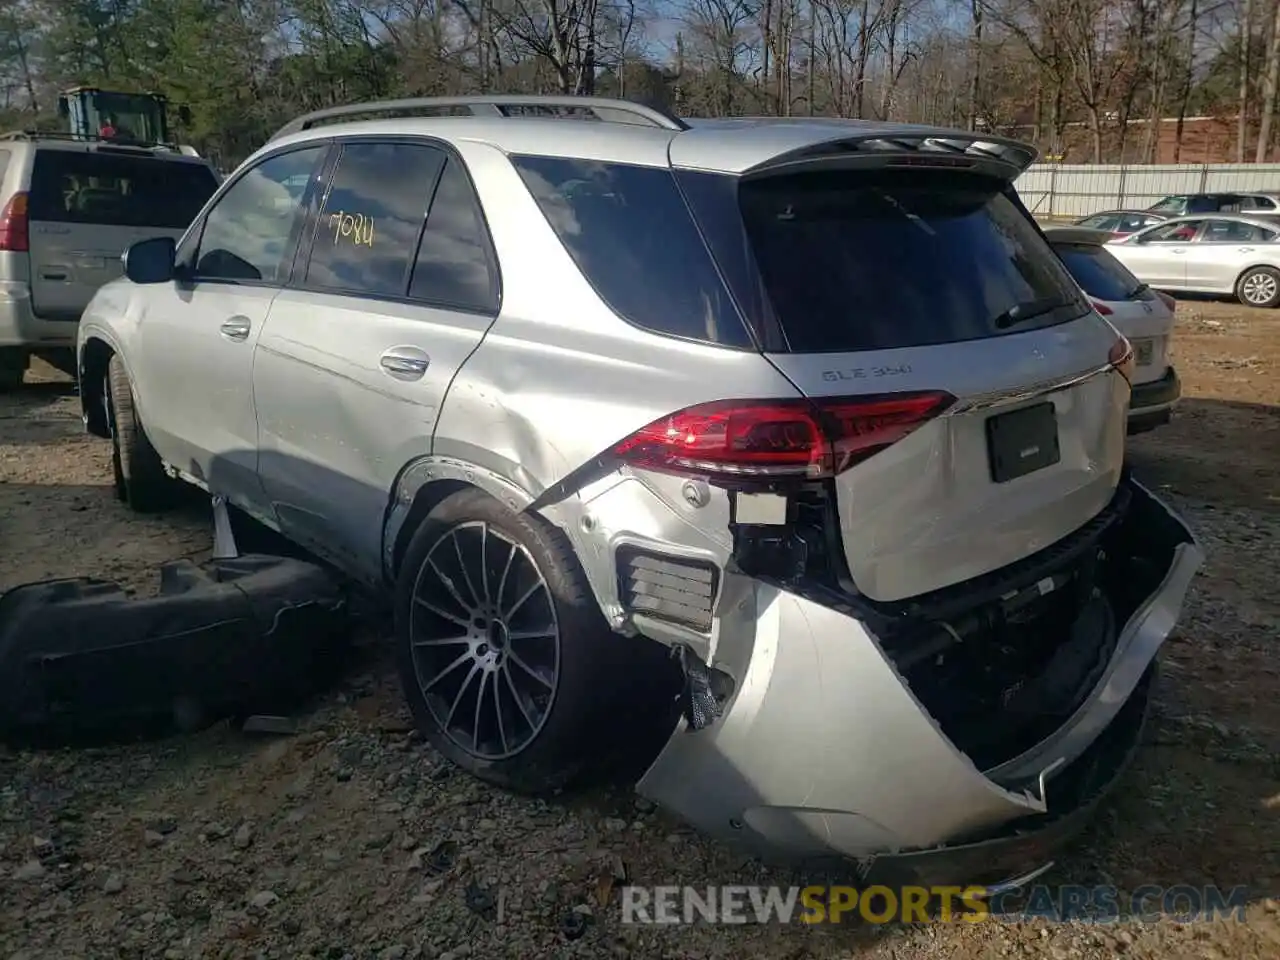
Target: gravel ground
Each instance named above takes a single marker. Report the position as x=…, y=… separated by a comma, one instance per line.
x=326, y=844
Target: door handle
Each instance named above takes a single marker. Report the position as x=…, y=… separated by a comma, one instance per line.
x=236, y=328
x=405, y=363
x=1245, y=250
x=1178, y=252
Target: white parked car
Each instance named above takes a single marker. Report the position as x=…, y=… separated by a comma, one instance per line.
x=1145, y=316
x=1219, y=254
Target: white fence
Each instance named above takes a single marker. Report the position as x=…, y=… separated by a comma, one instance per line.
x=1076, y=190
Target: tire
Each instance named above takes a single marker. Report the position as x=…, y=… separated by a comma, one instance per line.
x=1259, y=287
x=13, y=368
x=542, y=733
x=140, y=480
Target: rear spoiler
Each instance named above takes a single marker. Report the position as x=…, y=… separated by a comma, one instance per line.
x=775, y=145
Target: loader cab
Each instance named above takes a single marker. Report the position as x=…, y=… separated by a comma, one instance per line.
x=93, y=114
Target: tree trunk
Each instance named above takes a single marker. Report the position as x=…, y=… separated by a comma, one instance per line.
x=1095, y=130
x=1242, y=97
x=1269, y=88
x=766, y=43
x=1187, y=78
x=975, y=63
x=813, y=67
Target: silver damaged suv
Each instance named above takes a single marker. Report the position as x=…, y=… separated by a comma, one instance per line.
x=809, y=409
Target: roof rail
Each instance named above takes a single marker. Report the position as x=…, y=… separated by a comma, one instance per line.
x=601, y=108
x=81, y=138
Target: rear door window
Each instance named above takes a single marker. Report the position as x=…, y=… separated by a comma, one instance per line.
x=372, y=217
x=874, y=261
x=69, y=186
x=1099, y=274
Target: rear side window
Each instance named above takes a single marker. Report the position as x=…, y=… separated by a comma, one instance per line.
x=4, y=164
x=372, y=217
x=68, y=186
x=630, y=233
x=1099, y=274
x=872, y=261
x=1232, y=231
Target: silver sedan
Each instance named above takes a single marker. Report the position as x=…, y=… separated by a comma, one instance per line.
x=1220, y=254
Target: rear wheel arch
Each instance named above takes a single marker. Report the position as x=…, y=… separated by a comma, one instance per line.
x=427, y=498
x=422, y=484
x=94, y=362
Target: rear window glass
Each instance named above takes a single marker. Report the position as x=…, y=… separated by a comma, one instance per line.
x=630, y=233
x=873, y=261
x=1099, y=274
x=72, y=187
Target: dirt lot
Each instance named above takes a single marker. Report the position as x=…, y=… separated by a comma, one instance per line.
x=220, y=845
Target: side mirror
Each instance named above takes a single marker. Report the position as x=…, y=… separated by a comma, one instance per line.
x=150, y=261
x=184, y=115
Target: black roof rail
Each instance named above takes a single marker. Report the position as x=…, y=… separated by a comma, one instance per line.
x=601, y=108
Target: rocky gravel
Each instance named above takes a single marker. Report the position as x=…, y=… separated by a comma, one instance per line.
x=353, y=839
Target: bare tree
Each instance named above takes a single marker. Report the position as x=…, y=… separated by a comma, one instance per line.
x=1270, y=83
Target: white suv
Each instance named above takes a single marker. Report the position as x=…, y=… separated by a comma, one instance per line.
x=807, y=413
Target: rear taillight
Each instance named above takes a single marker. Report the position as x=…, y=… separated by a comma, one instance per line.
x=1102, y=308
x=1167, y=300
x=766, y=440
x=14, y=236
x=1121, y=358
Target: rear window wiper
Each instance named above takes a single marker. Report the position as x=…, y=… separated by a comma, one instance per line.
x=1138, y=291
x=1029, y=310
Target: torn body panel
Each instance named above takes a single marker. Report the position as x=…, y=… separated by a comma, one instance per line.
x=825, y=746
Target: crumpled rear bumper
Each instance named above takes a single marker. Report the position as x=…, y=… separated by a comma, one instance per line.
x=823, y=751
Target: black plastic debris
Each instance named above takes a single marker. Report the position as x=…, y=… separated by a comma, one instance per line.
x=442, y=857
x=479, y=900
x=574, y=923
x=255, y=634
x=263, y=724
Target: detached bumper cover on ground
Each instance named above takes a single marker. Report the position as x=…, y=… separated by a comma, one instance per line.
x=81, y=656
x=824, y=751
